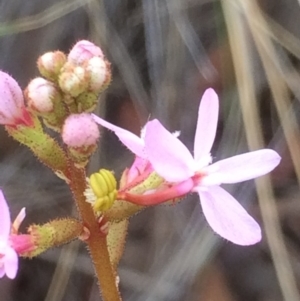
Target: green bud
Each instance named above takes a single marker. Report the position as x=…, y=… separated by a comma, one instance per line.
x=53, y=234
x=45, y=148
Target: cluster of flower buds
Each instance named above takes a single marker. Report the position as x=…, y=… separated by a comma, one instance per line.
x=68, y=92
x=81, y=75
x=62, y=99
x=70, y=84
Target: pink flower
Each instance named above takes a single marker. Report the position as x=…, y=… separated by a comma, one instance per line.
x=12, y=107
x=172, y=160
x=8, y=256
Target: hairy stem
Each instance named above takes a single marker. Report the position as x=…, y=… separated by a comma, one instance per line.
x=97, y=243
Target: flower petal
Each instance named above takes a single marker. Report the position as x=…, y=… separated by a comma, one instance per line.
x=5, y=222
x=228, y=218
x=243, y=167
x=138, y=167
x=168, y=155
x=206, y=124
x=11, y=97
x=11, y=263
x=132, y=141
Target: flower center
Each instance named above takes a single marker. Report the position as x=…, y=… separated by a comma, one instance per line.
x=203, y=162
x=197, y=178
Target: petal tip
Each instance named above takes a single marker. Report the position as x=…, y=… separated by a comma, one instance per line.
x=210, y=93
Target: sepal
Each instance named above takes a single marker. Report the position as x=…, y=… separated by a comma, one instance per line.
x=116, y=239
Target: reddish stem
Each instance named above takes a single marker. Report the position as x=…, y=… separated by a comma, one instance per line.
x=96, y=242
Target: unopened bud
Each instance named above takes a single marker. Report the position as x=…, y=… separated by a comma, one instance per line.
x=73, y=80
x=53, y=234
x=41, y=95
x=80, y=130
x=45, y=99
x=50, y=64
x=100, y=74
x=12, y=107
x=81, y=134
x=83, y=51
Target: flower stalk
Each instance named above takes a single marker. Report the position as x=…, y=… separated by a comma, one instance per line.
x=96, y=243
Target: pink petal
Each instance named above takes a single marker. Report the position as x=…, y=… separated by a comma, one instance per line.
x=132, y=141
x=206, y=124
x=83, y=51
x=243, y=167
x=11, y=263
x=5, y=222
x=11, y=99
x=167, y=154
x=228, y=218
x=137, y=168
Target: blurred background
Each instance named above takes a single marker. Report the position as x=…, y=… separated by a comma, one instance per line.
x=164, y=54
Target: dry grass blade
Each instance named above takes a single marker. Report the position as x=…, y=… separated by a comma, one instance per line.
x=277, y=84
x=120, y=55
x=41, y=19
x=62, y=272
x=280, y=35
x=245, y=82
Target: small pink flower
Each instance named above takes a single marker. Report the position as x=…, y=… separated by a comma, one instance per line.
x=8, y=256
x=80, y=130
x=83, y=51
x=172, y=160
x=12, y=107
